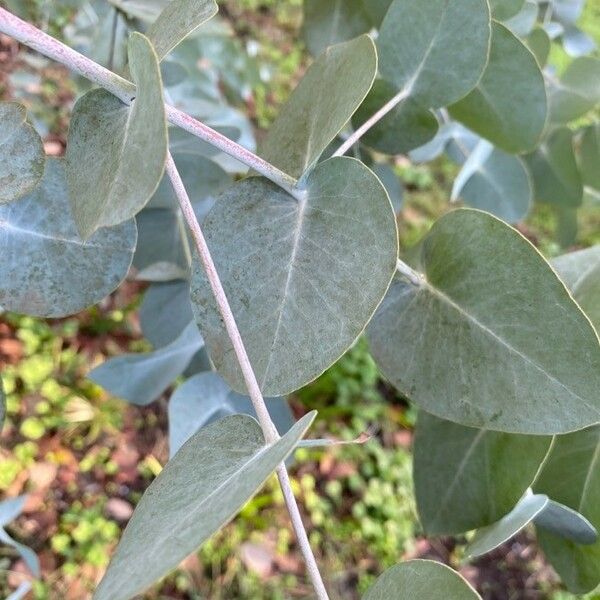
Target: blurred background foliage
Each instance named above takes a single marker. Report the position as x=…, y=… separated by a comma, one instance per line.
x=85, y=458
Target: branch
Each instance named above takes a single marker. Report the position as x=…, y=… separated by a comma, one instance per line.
x=372, y=121
x=267, y=425
x=125, y=90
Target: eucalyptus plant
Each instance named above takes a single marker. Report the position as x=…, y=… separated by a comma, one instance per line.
x=260, y=284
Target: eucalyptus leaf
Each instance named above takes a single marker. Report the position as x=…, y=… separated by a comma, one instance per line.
x=571, y=476
x=468, y=478
x=116, y=153
x=377, y=9
x=567, y=523
x=590, y=156
x=538, y=41
x=329, y=22
x=468, y=353
x=405, y=127
x=303, y=277
x=141, y=378
x=178, y=19
x=392, y=184
x=508, y=106
x=10, y=509
x=421, y=48
x=576, y=42
x=163, y=252
x=205, y=398
x=581, y=273
x=178, y=513
x=22, y=156
x=321, y=105
x=165, y=312
x=576, y=92
x=47, y=270
x=489, y=538
x=421, y=579
x=505, y=9
x=435, y=148
x=501, y=185
x=553, y=167
x=145, y=10
x=524, y=21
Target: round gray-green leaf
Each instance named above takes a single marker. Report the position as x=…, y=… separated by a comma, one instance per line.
x=509, y=105
x=501, y=185
x=47, y=269
x=303, y=277
x=581, y=273
x=470, y=342
x=468, y=478
x=199, y=491
x=489, y=538
x=22, y=157
x=421, y=48
x=328, y=22
x=116, y=153
x=421, y=579
x=405, y=127
x=553, y=167
x=205, y=398
x=567, y=523
x=505, y=9
x=141, y=378
x=321, y=105
x=538, y=41
x=577, y=91
x=571, y=476
x=178, y=19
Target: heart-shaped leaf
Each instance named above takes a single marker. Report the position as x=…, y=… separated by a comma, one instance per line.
x=581, y=273
x=489, y=538
x=110, y=179
x=508, y=106
x=205, y=398
x=178, y=19
x=47, y=270
x=553, y=167
x=303, y=277
x=22, y=156
x=566, y=523
x=577, y=91
x=469, y=343
x=165, y=312
x=142, y=378
x=468, y=478
x=331, y=90
x=421, y=579
x=405, y=127
x=421, y=50
x=329, y=22
x=571, y=476
x=229, y=462
x=496, y=182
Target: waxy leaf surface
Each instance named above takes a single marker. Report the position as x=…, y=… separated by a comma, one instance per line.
x=141, y=378
x=47, y=269
x=567, y=523
x=329, y=22
x=116, y=153
x=581, y=273
x=331, y=90
x=303, y=277
x=22, y=156
x=421, y=48
x=177, y=21
x=489, y=538
x=571, y=476
x=199, y=491
x=205, y=398
x=508, y=106
x=469, y=344
x=468, y=478
x=420, y=579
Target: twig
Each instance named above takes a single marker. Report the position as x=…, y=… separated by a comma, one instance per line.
x=372, y=121
x=268, y=427
x=125, y=90
x=413, y=276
